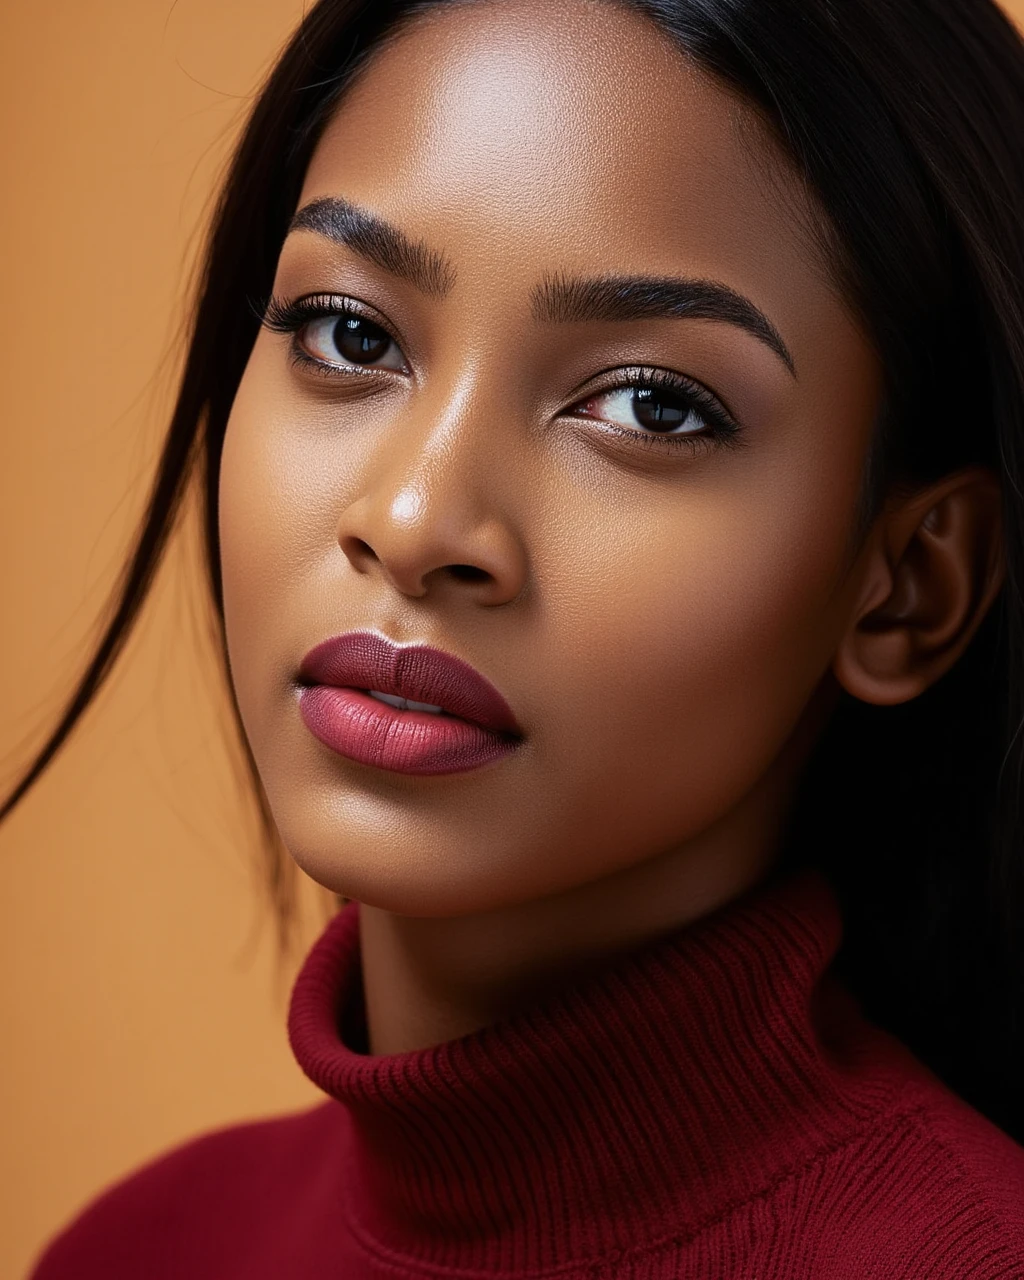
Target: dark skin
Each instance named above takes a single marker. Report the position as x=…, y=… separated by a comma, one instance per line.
x=670, y=614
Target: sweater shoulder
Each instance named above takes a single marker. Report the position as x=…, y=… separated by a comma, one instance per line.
x=188, y=1211
x=936, y=1190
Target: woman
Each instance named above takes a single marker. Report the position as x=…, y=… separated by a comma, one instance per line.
x=611, y=418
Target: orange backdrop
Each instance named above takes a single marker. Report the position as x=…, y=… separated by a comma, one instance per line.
x=141, y=1001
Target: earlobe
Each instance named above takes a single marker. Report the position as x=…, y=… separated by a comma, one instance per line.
x=930, y=571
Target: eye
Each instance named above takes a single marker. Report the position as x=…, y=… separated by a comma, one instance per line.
x=659, y=406
x=350, y=339
x=661, y=410
x=332, y=334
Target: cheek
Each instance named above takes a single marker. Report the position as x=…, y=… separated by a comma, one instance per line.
x=700, y=630
x=260, y=570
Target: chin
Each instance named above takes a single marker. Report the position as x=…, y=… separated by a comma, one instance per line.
x=400, y=864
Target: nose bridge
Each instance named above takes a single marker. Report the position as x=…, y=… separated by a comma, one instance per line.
x=439, y=462
x=435, y=498
x=434, y=469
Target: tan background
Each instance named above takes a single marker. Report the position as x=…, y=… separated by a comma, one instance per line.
x=141, y=1002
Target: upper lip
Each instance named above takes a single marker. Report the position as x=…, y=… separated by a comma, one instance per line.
x=367, y=660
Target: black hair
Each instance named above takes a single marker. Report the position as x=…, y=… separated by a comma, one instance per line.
x=906, y=118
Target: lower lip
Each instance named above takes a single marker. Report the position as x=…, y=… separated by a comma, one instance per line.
x=371, y=732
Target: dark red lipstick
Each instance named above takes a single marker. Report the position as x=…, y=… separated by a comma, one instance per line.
x=463, y=721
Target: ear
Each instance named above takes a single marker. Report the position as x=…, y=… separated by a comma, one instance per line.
x=931, y=568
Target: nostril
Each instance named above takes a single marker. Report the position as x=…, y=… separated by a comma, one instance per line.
x=468, y=573
x=357, y=548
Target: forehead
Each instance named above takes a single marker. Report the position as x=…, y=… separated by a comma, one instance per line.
x=569, y=137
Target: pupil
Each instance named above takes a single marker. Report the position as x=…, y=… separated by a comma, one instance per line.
x=657, y=410
x=360, y=341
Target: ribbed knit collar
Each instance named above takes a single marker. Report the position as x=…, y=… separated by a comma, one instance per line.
x=628, y=1109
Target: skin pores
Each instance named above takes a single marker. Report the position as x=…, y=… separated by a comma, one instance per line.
x=661, y=612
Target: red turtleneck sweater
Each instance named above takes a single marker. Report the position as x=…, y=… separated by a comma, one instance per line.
x=710, y=1106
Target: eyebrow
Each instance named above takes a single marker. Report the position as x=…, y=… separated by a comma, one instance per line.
x=378, y=241
x=565, y=299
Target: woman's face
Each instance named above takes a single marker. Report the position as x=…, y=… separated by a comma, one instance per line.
x=593, y=420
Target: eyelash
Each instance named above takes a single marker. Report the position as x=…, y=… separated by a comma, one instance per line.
x=722, y=427
x=280, y=316
x=290, y=317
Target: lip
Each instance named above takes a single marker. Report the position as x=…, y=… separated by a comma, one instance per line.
x=476, y=724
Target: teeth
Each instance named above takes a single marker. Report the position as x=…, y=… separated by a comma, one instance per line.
x=422, y=706
x=389, y=698
x=404, y=704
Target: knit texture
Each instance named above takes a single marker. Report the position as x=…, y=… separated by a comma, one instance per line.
x=711, y=1106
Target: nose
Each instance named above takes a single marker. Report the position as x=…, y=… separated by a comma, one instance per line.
x=431, y=520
